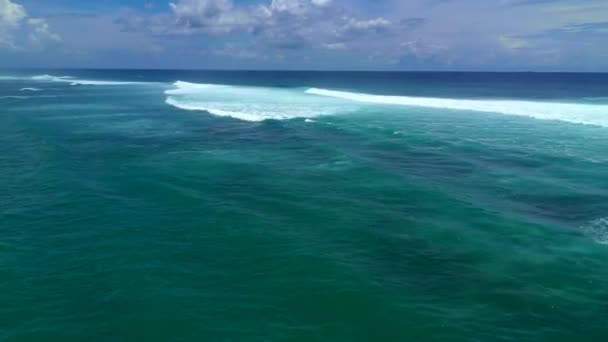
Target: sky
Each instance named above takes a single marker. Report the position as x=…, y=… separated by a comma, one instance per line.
x=475, y=35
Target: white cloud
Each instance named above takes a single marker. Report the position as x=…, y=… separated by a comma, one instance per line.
x=11, y=16
x=15, y=24
x=10, y=13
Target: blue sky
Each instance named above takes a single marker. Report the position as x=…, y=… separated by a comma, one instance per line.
x=502, y=35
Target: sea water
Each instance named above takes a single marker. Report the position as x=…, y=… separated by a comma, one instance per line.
x=303, y=206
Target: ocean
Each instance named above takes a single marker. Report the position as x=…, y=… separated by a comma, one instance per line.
x=303, y=206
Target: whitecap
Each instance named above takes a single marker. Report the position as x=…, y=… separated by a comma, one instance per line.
x=31, y=89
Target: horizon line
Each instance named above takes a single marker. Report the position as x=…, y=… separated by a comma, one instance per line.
x=305, y=70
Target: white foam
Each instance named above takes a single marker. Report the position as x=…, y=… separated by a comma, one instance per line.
x=251, y=103
x=597, y=230
x=591, y=114
x=31, y=89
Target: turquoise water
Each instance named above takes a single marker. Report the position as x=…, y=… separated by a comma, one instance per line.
x=277, y=206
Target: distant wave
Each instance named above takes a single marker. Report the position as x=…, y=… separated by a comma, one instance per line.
x=51, y=78
x=31, y=89
x=590, y=114
x=9, y=78
x=74, y=81
x=21, y=97
x=15, y=97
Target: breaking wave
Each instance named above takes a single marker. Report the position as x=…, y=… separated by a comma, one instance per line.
x=253, y=103
x=590, y=114
x=262, y=103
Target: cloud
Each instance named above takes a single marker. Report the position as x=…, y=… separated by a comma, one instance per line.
x=11, y=16
x=10, y=13
x=277, y=24
x=40, y=31
x=279, y=27
x=412, y=23
x=420, y=49
x=376, y=25
x=587, y=28
x=513, y=43
x=434, y=34
x=239, y=51
x=321, y=3
x=15, y=24
x=211, y=16
x=335, y=46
